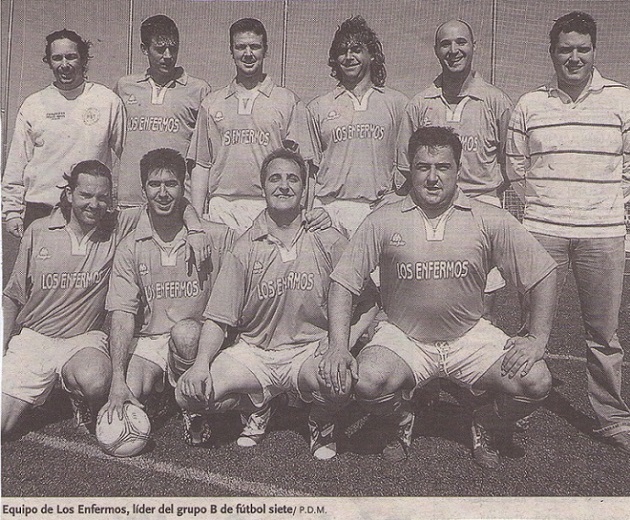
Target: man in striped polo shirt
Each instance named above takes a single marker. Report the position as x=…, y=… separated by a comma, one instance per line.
x=569, y=154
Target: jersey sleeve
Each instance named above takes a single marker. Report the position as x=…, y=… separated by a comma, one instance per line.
x=316, y=132
x=126, y=221
x=117, y=126
x=299, y=130
x=20, y=153
x=200, y=148
x=408, y=125
x=124, y=290
x=517, y=150
x=228, y=293
x=625, y=135
x=18, y=286
x=360, y=257
x=516, y=253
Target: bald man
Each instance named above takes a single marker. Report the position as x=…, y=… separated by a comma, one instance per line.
x=478, y=111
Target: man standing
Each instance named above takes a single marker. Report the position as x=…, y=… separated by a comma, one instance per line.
x=162, y=105
x=70, y=121
x=273, y=289
x=573, y=186
x=153, y=283
x=478, y=111
x=238, y=127
x=434, y=249
x=355, y=127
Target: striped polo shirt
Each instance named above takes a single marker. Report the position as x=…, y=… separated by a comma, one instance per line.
x=356, y=141
x=572, y=159
x=480, y=119
x=237, y=129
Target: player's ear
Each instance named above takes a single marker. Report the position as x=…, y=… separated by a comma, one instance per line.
x=145, y=49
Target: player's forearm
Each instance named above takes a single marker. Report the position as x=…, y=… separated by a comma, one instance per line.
x=339, y=316
x=120, y=339
x=199, y=182
x=210, y=341
x=10, y=310
x=543, y=307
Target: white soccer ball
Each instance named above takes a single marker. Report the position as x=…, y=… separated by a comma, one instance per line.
x=126, y=437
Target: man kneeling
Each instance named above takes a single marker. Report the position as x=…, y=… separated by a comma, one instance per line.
x=273, y=289
x=435, y=249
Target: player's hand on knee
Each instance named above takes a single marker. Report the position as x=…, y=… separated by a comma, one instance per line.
x=196, y=384
x=200, y=247
x=334, y=367
x=119, y=394
x=523, y=353
x=15, y=227
x=317, y=219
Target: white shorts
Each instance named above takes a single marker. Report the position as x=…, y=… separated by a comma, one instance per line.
x=33, y=363
x=237, y=214
x=156, y=349
x=277, y=371
x=346, y=215
x=463, y=360
x=495, y=280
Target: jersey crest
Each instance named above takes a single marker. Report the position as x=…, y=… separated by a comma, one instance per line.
x=218, y=116
x=397, y=240
x=143, y=269
x=91, y=116
x=44, y=254
x=131, y=100
x=258, y=267
x=333, y=114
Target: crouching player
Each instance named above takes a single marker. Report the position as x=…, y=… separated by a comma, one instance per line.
x=273, y=288
x=434, y=249
x=153, y=283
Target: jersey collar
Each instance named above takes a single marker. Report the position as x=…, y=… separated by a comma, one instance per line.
x=260, y=227
x=265, y=87
x=57, y=220
x=181, y=76
x=598, y=83
x=340, y=90
x=474, y=87
x=461, y=202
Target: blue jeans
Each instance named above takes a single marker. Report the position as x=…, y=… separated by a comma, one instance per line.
x=598, y=265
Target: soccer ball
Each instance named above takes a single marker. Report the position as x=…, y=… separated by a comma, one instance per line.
x=126, y=437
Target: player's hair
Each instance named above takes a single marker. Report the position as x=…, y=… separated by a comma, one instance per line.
x=463, y=22
x=357, y=29
x=92, y=167
x=283, y=153
x=248, y=25
x=158, y=25
x=83, y=46
x=575, y=21
x=435, y=137
x=163, y=159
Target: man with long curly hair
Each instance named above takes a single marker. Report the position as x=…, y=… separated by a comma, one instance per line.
x=355, y=125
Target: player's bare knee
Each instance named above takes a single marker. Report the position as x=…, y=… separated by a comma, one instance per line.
x=90, y=380
x=185, y=338
x=537, y=383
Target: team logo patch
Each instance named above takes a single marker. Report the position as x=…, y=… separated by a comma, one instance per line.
x=91, y=116
x=219, y=116
x=131, y=100
x=143, y=269
x=425, y=121
x=258, y=267
x=44, y=254
x=333, y=114
x=397, y=240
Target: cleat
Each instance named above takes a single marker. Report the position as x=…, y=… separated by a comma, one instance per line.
x=255, y=425
x=82, y=415
x=160, y=404
x=322, y=439
x=621, y=441
x=397, y=450
x=485, y=453
x=197, y=431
